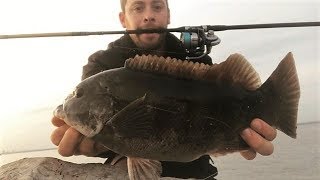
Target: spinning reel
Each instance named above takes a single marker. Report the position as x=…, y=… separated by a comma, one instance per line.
x=198, y=41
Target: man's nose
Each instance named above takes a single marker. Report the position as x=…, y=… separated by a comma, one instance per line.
x=149, y=16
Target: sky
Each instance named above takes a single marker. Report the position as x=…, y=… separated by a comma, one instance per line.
x=37, y=74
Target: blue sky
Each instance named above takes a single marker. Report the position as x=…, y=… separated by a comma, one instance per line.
x=36, y=74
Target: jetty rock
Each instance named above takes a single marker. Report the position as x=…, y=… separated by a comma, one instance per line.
x=47, y=168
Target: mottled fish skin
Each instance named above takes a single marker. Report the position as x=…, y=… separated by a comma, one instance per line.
x=173, y=110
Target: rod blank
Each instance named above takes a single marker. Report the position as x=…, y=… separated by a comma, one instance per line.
x=180, y=29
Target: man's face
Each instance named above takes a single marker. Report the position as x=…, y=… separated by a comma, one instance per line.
x=145, y=14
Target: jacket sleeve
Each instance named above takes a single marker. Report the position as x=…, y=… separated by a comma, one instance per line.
x=103, y=60
x=93, y=66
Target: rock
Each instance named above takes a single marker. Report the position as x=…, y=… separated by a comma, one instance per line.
x=47, y=168
x=52, y=168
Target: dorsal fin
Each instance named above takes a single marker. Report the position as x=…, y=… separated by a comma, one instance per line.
x=235, y=70
x=168, y=66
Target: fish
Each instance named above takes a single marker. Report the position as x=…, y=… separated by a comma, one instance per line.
x=164, y=109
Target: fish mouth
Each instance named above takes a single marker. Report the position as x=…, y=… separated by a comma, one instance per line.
x=74, y=121
x=86, y=114
x=59, y=112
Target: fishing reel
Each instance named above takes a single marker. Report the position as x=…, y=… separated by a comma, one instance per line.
x=198, y=41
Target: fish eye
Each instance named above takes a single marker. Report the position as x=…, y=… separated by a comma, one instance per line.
x=79, y=92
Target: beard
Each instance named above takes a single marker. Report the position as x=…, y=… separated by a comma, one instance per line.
x=149, y=41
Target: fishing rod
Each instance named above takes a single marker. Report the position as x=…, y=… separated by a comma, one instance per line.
x=198, y=40
x=180, y=29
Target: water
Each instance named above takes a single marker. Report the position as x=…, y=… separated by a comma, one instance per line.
x=293, y=159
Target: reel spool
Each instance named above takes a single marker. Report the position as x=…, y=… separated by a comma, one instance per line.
x=198, y=42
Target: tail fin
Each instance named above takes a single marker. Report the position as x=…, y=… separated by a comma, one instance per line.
x=282, y=92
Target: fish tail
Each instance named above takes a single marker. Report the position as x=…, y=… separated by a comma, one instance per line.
x=281, y=93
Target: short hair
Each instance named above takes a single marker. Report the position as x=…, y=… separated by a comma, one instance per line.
x=123, y=4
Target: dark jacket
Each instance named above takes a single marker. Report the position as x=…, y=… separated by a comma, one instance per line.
x=114, y=57
x=124, y=48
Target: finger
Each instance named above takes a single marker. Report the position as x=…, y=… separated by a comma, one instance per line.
x=69, y=142
x=57, y=121
x=261, y=127
x=86, y=147
x=257, y=142
x=249, y=154
x=58, y=134
x=100, y=148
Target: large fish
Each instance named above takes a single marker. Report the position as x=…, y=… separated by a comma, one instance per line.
x=156, y=109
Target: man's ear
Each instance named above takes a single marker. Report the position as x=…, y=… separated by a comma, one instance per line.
x=169, y=16
x=122, y=19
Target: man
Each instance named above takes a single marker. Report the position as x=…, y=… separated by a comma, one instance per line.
x=144, y=14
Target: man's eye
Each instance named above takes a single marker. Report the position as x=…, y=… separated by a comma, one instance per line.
x=158, y=7
x=137, y=9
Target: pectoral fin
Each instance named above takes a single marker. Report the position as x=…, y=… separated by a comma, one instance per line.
x=135, y=120
x=143, y=169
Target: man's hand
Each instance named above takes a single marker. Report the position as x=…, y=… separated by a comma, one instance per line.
x=258, y=137
x=71, y=142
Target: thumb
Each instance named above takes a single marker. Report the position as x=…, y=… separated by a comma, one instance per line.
x=57, y=121
x=99, y=148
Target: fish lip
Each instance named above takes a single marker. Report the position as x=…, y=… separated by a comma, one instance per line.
x=83, y=128
x=59, y=112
